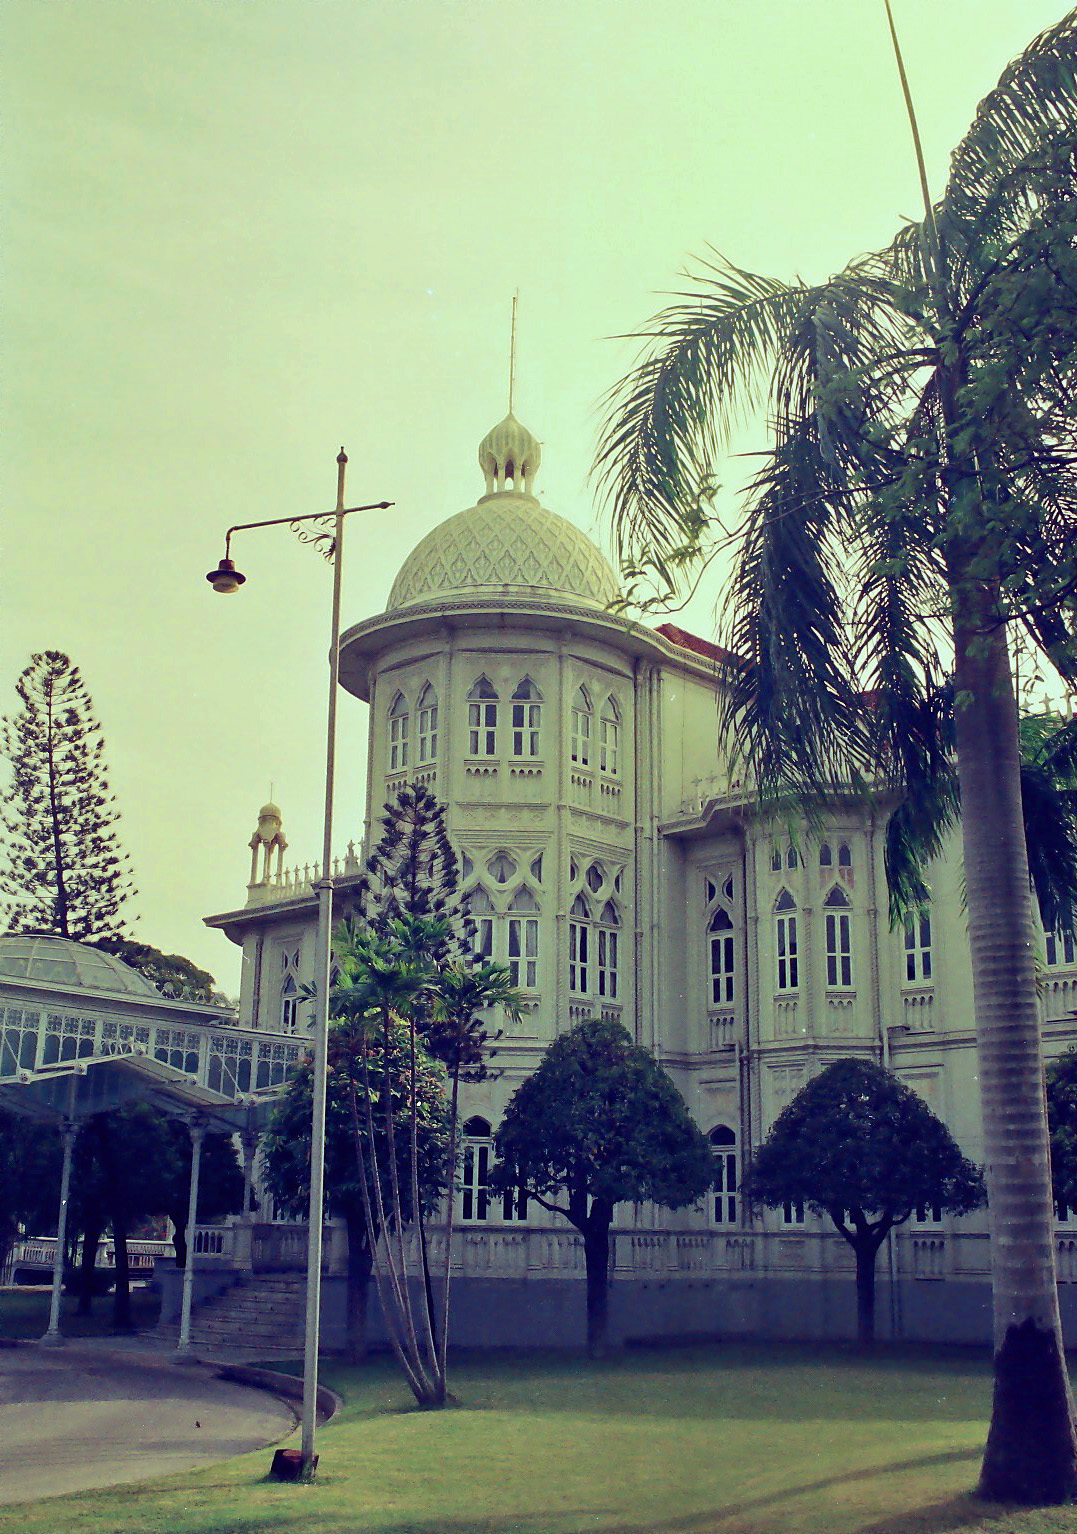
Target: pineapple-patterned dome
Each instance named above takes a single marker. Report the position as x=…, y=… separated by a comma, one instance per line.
x=508, y=543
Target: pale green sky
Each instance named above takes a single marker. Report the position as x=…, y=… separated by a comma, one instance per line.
x=241, y=233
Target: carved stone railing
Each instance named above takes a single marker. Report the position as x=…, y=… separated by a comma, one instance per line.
x=721, y=1030
x=918, y=1009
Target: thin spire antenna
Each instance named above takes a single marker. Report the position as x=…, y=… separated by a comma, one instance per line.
x=929, y=211
x=512, y=351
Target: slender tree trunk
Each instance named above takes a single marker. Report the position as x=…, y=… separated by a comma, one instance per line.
x=179, y=1236
x=866, y=1251
x=1031, y=1453
x=91, y=1239
x=121, y=1311
x=360, y=1262
x=596, y=1251
x=450, y=1215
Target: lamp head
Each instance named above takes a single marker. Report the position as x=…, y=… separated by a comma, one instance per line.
x=226, y=578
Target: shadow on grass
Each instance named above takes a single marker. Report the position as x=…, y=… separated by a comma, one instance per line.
x=297, y=1509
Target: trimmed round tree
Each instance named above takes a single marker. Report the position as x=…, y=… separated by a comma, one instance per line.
x=860, y=1146
x=599, y=1124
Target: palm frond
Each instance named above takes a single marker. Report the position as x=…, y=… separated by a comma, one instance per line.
x=1051, y=840
x=1032, y=107
x=706, y=363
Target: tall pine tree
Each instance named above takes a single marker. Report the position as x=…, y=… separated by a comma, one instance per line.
x=65, y=872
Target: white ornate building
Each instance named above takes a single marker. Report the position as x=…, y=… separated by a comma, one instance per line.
x=611, y=862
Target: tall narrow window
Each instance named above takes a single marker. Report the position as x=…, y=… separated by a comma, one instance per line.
x=526, y=719
x=609, y=744
x=839, y=952
x=524, y=940
x=427, y=708
x=786, y=939
x=723, y=959
x=579, y=935
x=582, y=715
x=606, y=935
x=475, y=1182
x=482, y=719
x=793, y=1212
x=845, y=856
x=289, y=990
x=398, y=734
x=481, y=911
x=918, y=948
x=1060, y=950
x=826, y=857
x=724, y=1193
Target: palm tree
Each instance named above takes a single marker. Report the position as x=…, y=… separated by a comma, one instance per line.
x=917, y=500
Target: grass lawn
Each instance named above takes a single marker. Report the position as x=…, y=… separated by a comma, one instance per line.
x=734, y=1440
x=25, y=1313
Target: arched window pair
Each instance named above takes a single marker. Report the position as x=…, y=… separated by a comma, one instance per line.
x=838, y=933
x=584, y=739
x=826, y=855
x=400, y=727
x=476, y=1203
x=525, y=734
x=593, y=950
x=723, y=1199
x=512, y=939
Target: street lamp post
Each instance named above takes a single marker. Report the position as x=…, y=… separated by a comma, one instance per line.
x=226, y=579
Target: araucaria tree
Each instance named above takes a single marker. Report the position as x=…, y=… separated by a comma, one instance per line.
x=64, y=871
x=858, y=1145
x=918, y=499
x=599, y=1124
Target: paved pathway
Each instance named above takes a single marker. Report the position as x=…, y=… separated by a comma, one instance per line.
x=85, y=1416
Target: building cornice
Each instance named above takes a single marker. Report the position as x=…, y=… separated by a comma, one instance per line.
x=364, y=643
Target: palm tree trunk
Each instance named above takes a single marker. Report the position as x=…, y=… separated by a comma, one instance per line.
x=1031, y=1453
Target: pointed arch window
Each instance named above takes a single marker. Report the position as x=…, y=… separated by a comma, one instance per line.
x=723, y=1202
x=427, y=711
x=1060, y=950
x=722, y=958
x=609, y=739
x=289, y=990
x=398, y=733
x=482, y=703
x=839, y=951
x=524, y=940
x=845, y=855
x=785, y=933
x=607, y=936
x=579, y=946
x=526, y=719
x=480, y=909
x=475, y=1182
x=826, y=856
x=582, y=719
